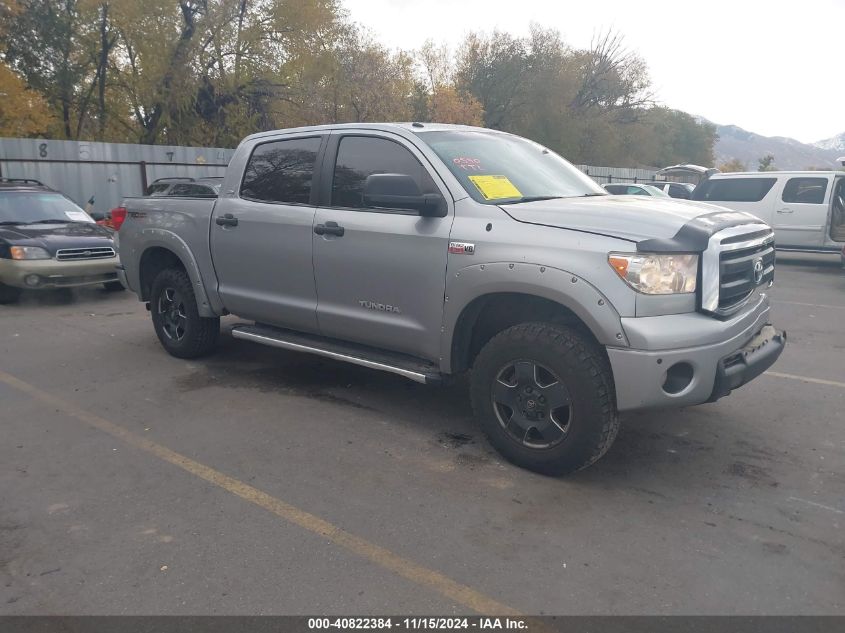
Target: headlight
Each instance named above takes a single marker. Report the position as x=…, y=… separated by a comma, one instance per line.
x=656, y=274
x=29, y=252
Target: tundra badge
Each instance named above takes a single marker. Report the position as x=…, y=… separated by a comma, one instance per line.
x=382, y=307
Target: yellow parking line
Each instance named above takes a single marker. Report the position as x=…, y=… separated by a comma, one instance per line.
x=450, y=589
x=818, y=381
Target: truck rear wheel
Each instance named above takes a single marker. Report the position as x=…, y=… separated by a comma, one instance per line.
x=544, y=397
x=178, y=325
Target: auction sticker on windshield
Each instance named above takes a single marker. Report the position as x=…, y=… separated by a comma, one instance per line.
x=495, y=187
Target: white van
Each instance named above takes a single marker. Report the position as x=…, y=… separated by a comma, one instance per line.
x=805, y=208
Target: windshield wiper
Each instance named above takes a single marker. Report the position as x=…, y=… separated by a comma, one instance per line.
x=531, y=199
x=11, y=223
x=590, y=195
x=51, y=221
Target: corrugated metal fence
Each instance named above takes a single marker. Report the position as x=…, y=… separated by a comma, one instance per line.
x=106, y=171
x=604, y=175
x=111, y=171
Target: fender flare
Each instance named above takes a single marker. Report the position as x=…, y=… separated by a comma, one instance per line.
x=555, y=284
x=169, y=241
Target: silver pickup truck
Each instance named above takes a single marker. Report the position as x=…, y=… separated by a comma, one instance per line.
x=429, y=250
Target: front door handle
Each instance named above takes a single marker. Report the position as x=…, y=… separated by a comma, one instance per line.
x=227, y=220
x=329, y=228
x=785, y=210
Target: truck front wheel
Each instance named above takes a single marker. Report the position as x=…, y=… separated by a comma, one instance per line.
x=544, y=396
x=178, y=325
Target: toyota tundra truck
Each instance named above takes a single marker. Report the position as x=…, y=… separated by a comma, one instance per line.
x=431, y=250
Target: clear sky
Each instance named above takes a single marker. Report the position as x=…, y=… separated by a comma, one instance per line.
x=776, y=68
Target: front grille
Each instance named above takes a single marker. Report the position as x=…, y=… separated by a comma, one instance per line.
x=738, y=260
x=76, y=254
x=737, y=276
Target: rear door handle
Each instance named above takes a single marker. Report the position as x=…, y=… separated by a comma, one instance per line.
x=227, y=220
x=785, y=210
x=329, y=228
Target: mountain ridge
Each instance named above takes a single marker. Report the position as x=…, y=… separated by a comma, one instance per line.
x=734, y=142
x=835, y=143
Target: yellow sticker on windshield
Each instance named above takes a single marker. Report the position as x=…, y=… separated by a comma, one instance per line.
x=495, y=187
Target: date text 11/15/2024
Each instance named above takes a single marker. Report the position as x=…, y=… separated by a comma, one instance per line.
x=419, y=623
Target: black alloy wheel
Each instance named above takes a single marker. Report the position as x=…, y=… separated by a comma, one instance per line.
x=171, y=309
x=532, y=404
x=176, y=319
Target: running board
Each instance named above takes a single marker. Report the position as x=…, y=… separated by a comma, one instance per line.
x=407, y=366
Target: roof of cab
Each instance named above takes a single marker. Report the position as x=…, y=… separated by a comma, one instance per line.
x=400, y=128
x=764, y=174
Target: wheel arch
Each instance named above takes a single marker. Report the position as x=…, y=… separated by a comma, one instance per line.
x=157, y=257
x=484, y=300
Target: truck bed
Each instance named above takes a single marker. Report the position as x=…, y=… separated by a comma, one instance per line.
x=179, y=224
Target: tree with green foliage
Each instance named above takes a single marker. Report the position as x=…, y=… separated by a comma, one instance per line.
x=45, y=43
x=766, y=163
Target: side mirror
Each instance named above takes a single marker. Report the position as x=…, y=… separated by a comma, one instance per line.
x=400, y=191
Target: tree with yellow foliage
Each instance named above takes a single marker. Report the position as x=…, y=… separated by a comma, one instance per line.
x=447, y=105
x=733, y=164
x=23, y=111
x=442, y=101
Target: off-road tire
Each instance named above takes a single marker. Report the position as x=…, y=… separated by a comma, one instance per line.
x=200, y=334
x=113, y=286
x=9, y=294
x=580, y=365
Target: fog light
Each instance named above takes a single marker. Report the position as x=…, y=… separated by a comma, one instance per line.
x=678, y=378
x=32, y=280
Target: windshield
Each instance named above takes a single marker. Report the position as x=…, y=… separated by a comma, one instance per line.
x=499, y=168
x=28, y=207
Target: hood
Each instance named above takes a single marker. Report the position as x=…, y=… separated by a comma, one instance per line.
x=633, y=218
x=55, y=236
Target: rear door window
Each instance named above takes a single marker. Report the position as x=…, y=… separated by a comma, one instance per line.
x=734, y=189
x=281, y=171
x=805, y=190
